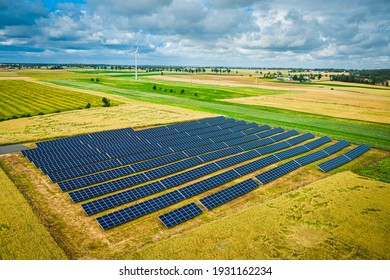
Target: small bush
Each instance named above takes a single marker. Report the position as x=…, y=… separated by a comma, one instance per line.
x=40, y=113
x=26, y=115
x=182, y=91
x=154, y=87
x=106, y=102
x=92, y=79
x=88, y=105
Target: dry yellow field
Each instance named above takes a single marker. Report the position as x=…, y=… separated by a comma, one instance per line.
x=359, y=103
x=22, y=235
x=343, y=216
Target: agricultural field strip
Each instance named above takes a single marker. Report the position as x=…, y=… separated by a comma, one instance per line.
x=192, y=148
x=22, y=98
x=203, y=152
x=187, y=176
x=111, y=186
x=137, y=210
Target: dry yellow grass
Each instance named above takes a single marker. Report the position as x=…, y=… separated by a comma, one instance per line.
x=360, y=104
x=343, y=216
x=22, y=235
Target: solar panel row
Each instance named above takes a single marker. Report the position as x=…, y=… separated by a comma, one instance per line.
x=343, y=159
x=289, y=166
x=180, y=215
x=135, y=211
x=230, y=193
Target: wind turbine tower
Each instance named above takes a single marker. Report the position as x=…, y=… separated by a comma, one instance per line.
x=135, y=63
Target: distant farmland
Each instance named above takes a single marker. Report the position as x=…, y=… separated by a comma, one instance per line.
x=24, y=99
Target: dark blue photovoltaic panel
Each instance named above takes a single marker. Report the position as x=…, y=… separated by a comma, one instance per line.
x=225, y=195
x=277, y=172
x=336, y=147
x=256, y=144
x=333, y=163
x=241, y=140
x=291, y=152
x=312, y=157
x=237, y=159
x=273, y=148
x=256, y=165
x=138, y=210
x=148, y=189
x=256, y=129
x=269, y=132
x=300, y=139
x=220, y=153
x=358, y=151
x=343, y=159
x=285, y=135
x=114, y=200
x=180, y=215
x=318, y=142
x=208, y=183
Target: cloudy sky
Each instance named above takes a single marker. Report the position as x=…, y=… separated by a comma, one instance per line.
x=253, y=33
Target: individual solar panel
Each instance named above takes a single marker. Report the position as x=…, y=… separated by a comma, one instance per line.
x=277, y=172
x=333, y=163
x=273, y=148
x=138, y=210
x=356, y=152
x=291, y=152
x=220, y=154
x=230, y=193
x=256, y=144
x=343, y=159
x=237, y=159
x=300, y=138
x=208, y=183
x=256, y=165
x=318, y=142
x=180, y=215
x=312, y=157
x=269, y=132
x=336, y=147
x=241, y=140
x=256, y=129
x=285, y=135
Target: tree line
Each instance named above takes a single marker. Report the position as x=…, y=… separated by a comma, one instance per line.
x=373, y=77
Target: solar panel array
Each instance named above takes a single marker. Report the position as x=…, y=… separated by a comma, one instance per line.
x=107, y=169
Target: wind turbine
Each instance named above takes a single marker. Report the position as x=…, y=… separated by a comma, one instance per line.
x=135, y=62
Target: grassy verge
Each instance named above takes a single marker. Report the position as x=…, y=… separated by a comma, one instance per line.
x=340, y=217
x=22, y=235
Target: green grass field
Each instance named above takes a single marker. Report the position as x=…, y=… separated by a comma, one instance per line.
x=22, y=235
x=23, y=99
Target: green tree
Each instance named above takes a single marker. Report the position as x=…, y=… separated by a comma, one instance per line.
x=106, y=102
